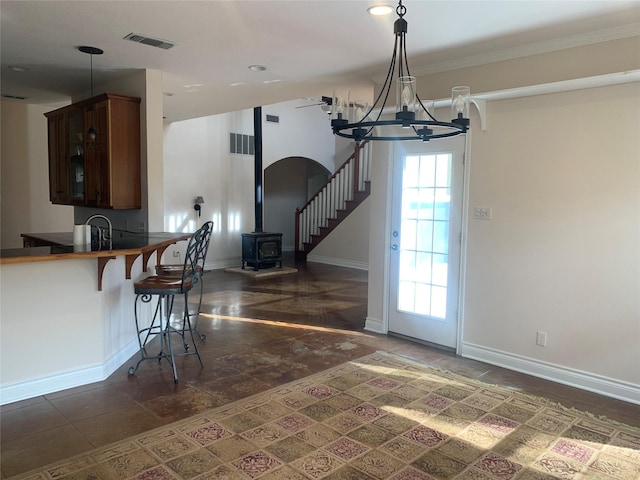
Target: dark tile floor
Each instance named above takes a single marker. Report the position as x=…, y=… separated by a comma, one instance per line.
x=260, y=333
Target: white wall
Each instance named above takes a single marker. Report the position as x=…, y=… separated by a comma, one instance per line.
x=561, y=254
x=348, y=244
x=197, y=162
x=301, y=132
x=561, y=173
x=25, y=176
x=73, y=334
x=379, y=219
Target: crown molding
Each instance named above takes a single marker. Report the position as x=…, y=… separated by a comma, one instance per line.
x=547, y=46
x=480, y=99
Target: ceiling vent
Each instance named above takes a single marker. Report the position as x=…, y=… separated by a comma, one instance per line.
x=13, y=97
x=154, y=42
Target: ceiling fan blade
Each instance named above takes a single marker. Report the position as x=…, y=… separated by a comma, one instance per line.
x=322, y=101
x=311, y=105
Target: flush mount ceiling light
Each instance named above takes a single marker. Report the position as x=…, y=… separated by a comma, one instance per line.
x=350, y=119
x=380, y=10
x=257, y=68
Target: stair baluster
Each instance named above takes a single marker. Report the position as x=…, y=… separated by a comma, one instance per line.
x=343, y=192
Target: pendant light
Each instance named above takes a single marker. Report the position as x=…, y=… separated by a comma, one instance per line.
x=92, y=133
x=414, y=118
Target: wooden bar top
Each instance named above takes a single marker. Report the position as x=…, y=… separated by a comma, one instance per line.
x=59, y=246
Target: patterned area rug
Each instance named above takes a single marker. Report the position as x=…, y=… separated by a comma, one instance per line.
x=378, y=417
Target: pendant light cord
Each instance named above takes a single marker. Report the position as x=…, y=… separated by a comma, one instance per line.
x=91, y=57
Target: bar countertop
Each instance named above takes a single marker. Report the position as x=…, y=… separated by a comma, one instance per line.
x=59, y=246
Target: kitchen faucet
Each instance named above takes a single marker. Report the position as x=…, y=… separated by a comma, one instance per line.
x=102, y=235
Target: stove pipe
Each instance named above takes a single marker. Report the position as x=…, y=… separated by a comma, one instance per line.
x=257, y=162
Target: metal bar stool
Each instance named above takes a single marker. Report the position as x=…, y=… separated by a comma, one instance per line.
x=165, y=288
x=176, y=270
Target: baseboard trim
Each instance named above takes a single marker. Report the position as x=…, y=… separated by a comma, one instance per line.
x=222, y=264
x=338, y=262
x=15, y=392
x=374, y=325
x=620, y=390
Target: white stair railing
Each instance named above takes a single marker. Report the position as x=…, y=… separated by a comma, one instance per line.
x=342, y=187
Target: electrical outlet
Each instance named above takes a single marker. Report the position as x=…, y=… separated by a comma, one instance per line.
x=541, y=339
x=176, y=253
x=482, y=213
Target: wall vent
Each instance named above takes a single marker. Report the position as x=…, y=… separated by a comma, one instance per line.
x=13, y=97
x=154, y=42
x=240, y=144
x=273, y=118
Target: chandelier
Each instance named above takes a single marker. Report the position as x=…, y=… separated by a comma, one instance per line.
x=414, y=119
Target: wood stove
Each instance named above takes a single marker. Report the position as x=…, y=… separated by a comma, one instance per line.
x=261, y=250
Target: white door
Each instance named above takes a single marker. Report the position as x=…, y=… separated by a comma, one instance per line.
x=426, y=223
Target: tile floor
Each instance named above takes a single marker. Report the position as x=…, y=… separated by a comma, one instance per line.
x=260, y=333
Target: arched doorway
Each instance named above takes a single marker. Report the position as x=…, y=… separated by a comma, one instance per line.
x=288, y=184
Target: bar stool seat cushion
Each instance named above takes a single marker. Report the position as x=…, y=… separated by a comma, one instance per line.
x=175, y=270
x=162, y=285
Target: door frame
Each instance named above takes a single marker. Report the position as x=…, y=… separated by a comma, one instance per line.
x=466, y=169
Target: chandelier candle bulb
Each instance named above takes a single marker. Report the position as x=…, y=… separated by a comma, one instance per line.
x=340, y=106
x=460, y=99
x=406, y=100
x=407, y=93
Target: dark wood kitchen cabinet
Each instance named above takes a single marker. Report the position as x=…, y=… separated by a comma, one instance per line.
x=101, y=170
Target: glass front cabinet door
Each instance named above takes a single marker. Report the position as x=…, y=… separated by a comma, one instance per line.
x=75, y=155
x=58, y=170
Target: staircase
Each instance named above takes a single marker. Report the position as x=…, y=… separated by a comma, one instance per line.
x=344, y=191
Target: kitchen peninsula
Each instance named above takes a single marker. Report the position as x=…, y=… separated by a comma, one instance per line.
x=59, y=246
x=67, y=316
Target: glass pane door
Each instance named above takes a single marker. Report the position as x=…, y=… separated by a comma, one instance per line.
x=424, y=234
x=425, y=240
